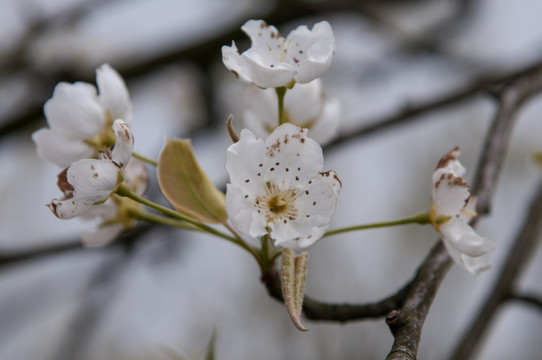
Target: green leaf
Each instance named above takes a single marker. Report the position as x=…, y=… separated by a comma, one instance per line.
x=186, y=186
x=293, y=270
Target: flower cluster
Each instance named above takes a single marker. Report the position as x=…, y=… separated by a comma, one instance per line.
x=452, y=208
x=89, y=136
x=277, y=186
x=80, y=119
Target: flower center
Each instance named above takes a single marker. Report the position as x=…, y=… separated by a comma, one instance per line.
x=277, y=203
x=104, y=139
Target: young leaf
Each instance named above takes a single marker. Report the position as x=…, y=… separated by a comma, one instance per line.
x=186, y=186
x=292, y=278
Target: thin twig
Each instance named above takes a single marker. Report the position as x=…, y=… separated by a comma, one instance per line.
x=511, y=98
x=529, y=299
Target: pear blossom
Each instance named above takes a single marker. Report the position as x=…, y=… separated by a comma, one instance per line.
x=452, y=208
x=113, y=215
x=277, y=187
x=274, y=61
x=88, y=182
x=80, y=119
x=305, y=105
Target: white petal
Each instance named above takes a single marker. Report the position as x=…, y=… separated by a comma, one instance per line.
x=54, y=147
x=136, y=176
x=462, y=237
x=292, y=157
x=450, y=163
x=315, y=203
x=261, y=63
x=242, y=213
x=93, y=181
x=476, y=265
x=326, y=126
x=122, y=152
x=313, y=50
x=243, y=161
x=261, y=110
x=113, y=95
x=304, y=102
x=450, y=193
x=74, y=111
x=305, y=241
x=103, y=234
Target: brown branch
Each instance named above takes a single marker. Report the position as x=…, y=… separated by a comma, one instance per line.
x=320, y=311
x=406, y=322
x=523, y=247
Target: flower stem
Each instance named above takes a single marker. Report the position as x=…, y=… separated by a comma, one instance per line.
x=144, y=158
x=421, y=218
x=281, y=91
x=159, y=219
x=124, y=190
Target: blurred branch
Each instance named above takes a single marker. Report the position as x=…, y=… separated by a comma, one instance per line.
x=17, y=257
x=523, y=248
x=412, y=113
x=510, y=97
x=529, y=299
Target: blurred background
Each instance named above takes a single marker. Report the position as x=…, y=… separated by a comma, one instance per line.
x=160, y=293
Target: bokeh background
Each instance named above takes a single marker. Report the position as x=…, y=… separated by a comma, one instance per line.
x=160, y=293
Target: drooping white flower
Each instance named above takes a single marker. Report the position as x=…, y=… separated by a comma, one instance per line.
x=88, y=182
x=451, y=210
x=80, y=119
x=274, y=61
x=305, y=105
x=113, y=215
x=277, y=187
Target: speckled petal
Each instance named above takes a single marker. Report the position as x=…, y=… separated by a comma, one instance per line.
x=312, y=50
x=93, y=181
x=122, y=152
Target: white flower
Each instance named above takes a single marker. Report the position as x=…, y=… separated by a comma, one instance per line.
x=80, y=120
x=305, y=105
x=88, y=182
x=273, y=61
x=277, y=187
x=451, y=210
x=113, y=215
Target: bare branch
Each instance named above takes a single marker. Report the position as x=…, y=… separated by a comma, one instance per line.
x=511, y=97
x=319, y=311
x=529, y=299
x=518, y=257
x=406, y=322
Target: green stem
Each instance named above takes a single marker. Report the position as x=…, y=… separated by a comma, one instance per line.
x=421, y=218
x=144, y=158
x=159, y=219
x=124, y=190
x=281, y=91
